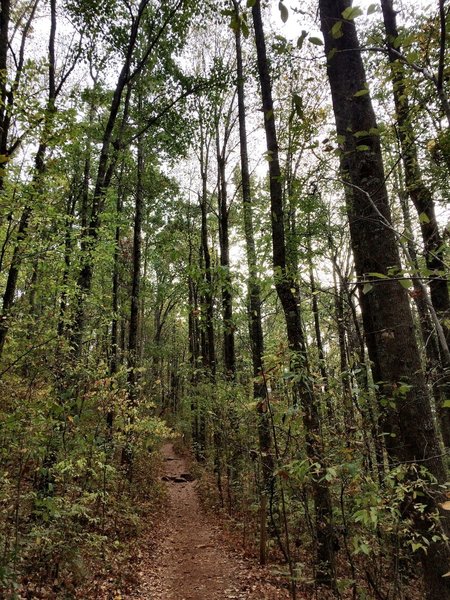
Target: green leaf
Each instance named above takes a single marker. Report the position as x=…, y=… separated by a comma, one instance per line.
x=301, y=39
x=378, y=275
x=424, y=218
x=372, y=8
x=316, y=41
x=234, y=23
x=336, y=30
x=368, y=287
x=331, y=53
x=406, y=283
x=3, y=158
x=362, y=148
x=361, y=93
x=284, y=13
x=365, y=549
x=416, y=547
x=244, y=28
x=446, y=404
x=251, y=3
x=351, y=12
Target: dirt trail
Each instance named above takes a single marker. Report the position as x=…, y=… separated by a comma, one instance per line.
x=191, y=562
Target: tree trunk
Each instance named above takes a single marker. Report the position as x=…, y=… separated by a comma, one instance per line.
x=419, y=193
x=133, y=341
x=136, y=279
x=224, y=241
x=286, y=287
x=260, y=392
x=436, y=371
x=387, y=317
x=39, y=166
x=210, y=354
x=104, y=172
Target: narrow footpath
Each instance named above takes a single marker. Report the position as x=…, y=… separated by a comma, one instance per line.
x=191, y=562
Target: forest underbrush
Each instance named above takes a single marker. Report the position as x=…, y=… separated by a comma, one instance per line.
x=377, y=550
x=72, y=516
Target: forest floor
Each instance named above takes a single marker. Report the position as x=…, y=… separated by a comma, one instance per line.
x=190, y=560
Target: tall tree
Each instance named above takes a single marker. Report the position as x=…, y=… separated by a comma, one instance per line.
x=418, y=192
x=224, y=238
x=39, y=168
x=260, y=391
x=387, y=318
x=286, y=290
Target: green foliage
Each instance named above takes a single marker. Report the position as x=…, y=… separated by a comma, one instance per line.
x=78, y=438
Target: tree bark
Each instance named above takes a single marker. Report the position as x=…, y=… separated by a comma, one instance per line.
x=260, y=392
x=136, y=278
x=284, y=286
x=224, y=241
x=39, y=168
x=419, y=193
x=387, y=317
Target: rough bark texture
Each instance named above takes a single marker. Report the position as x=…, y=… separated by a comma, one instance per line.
x=285, y=286
x=387, y=318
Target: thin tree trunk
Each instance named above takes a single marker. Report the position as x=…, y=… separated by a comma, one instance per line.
x=39, y=166
x=104, y=172
x=208, y=296
x=285, y=286
x=419, y=193
x=260, y=392
x=133, y=341
x=136, y=279
x=227, y=296
x=70, y=211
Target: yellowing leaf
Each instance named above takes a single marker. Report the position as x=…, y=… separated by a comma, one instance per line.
x=352, y=12
x=424, y=218
x=445, y=505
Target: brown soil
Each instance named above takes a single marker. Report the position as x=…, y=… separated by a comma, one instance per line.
x=191, y=561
